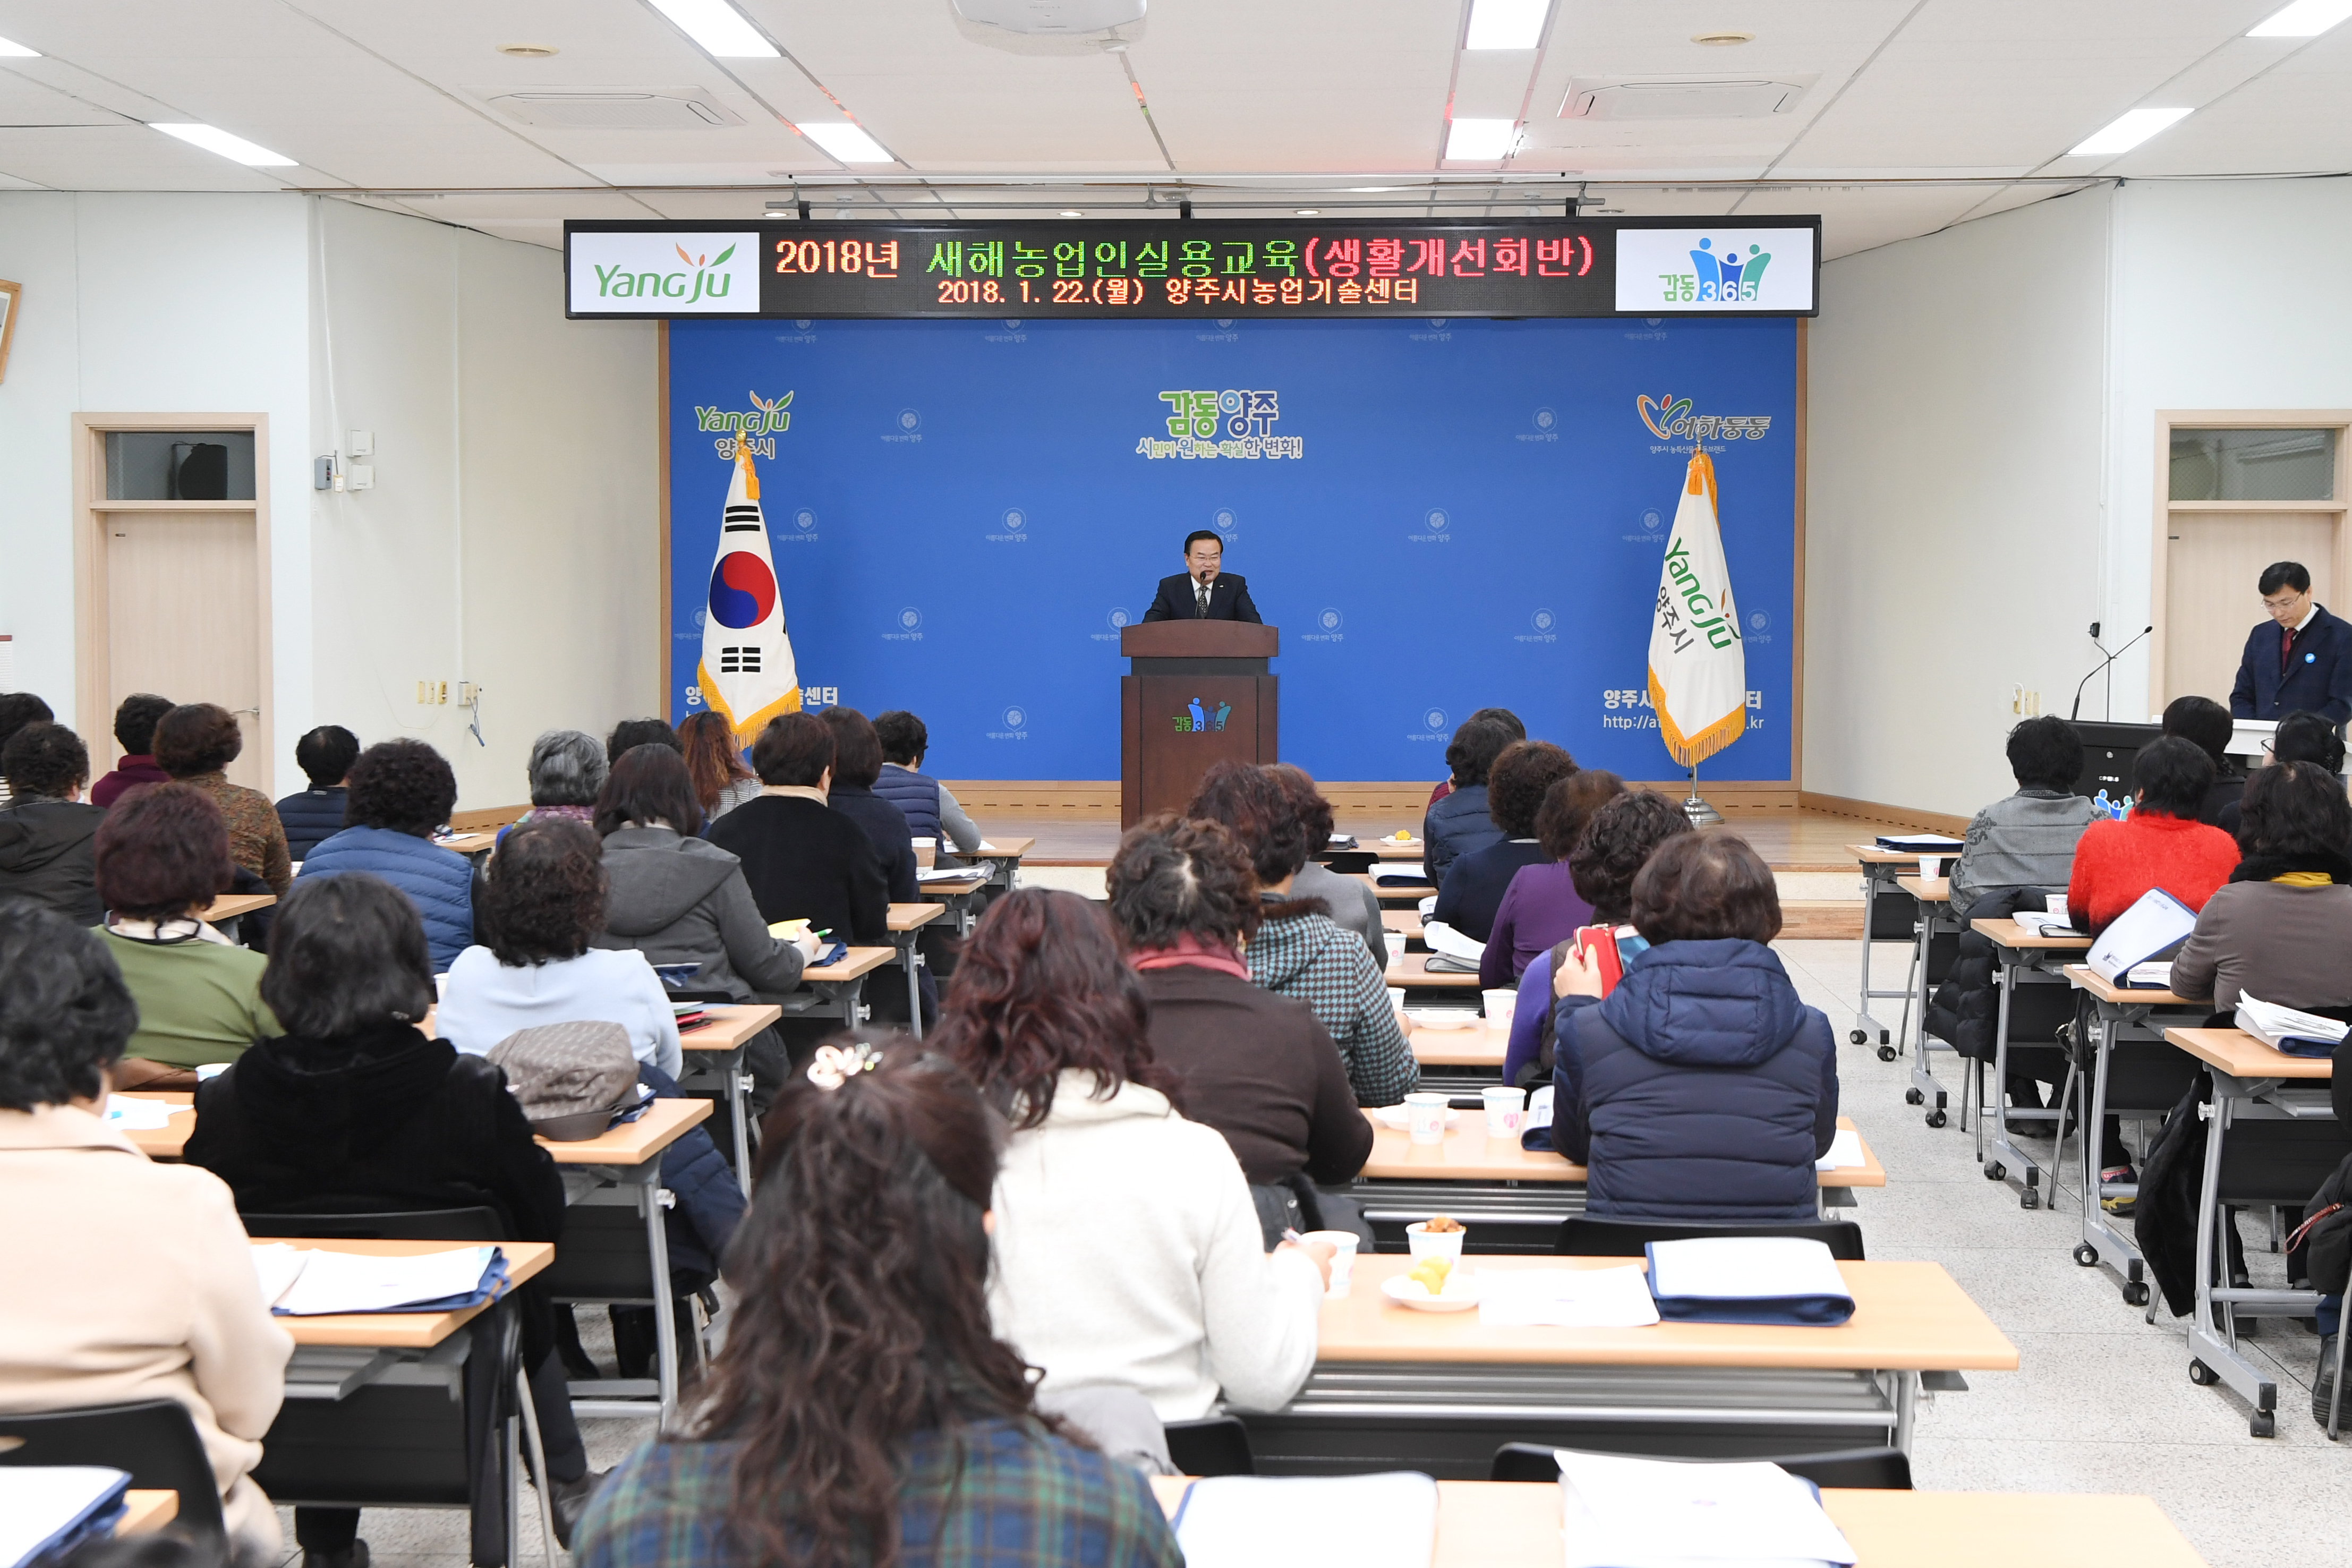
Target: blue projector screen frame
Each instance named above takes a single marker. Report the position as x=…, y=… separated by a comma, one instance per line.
x=1440, y=515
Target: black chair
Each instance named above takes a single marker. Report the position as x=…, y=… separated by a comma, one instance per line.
x=153, y=1440
x=1213, y=1446
x=1873, y=1469
x=1581, y=1235
x=474, y=1225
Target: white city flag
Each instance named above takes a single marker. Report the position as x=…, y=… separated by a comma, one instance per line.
x=1698, y=666
x=746, y=671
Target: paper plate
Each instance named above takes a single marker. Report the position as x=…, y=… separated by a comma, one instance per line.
x=1461, y=1293
x=1395, y=1117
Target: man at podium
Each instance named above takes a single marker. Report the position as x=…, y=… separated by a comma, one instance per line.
x=1200, y=591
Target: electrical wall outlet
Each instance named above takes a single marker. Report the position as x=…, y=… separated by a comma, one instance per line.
x=2017, y=698
x=468, y=693
x=359, y=476
x=421, y=696
x=362, y=444
x=2033, y=705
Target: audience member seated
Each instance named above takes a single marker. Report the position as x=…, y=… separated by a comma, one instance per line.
x=1128, y=1246
x=542, y=902
x=325, y=755
x=134, y=1279
x=1503, y=716
x=354, y=1108
x=18, y=709
x=714, y=761
x=1298, y=951
x=856, y=763
x=1256, y=1067
x=1460, y=823
x=2160, y=844
x=567, y=770
x=930, y=811
x=401, y=793
x=2281, y=928
x=1702, y=1088
x=1541, y=907
x=2301, y=736
x=1350, y=901
x=907, y=1433
x=1619, y=840
x=134, y=731
x=2208, y=725
x=803, y=859
x=2024, y=843
x=162, y=856
x=194, y=742
x=630, y=733
x=48, y=834
x=1474, y=884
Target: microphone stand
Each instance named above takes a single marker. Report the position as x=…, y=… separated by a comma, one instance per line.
x=2106, y=664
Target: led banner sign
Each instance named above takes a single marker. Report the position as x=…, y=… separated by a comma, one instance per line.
x=1283, y=269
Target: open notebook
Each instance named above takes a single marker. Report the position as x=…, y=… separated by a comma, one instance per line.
x=300, y=1282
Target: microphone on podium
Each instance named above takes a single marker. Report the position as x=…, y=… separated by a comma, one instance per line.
x=2104, y=664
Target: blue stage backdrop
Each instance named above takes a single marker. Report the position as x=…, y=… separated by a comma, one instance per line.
x=1439, y=514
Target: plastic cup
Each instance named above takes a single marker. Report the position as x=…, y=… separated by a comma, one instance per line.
x=1931, y=867
x=1394, y=942
x=1424, y=1116
x=1500, y=1005
x=1446, y=1244
x=1343, y=1257
x=1506, y=1110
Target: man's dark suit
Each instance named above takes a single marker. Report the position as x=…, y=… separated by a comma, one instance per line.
x=2318, y=677
x=1229, y=600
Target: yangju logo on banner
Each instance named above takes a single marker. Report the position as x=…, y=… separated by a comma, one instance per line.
x=767, y=414
x=1246, y=418
x=665, y=274
x=1199, y=719
x=1670, y=419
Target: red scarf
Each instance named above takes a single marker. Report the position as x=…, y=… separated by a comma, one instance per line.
x=1190, y=950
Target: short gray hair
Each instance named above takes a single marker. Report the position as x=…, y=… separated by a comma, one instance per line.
x=567, y=768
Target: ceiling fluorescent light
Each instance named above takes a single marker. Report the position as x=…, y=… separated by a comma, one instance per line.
x=1506, y=23
x=2304, y=20
x=2127, y=131
x=212, y=138
x=1480, y=140
x=718, y=28
x=848, y=142
x=17, y=51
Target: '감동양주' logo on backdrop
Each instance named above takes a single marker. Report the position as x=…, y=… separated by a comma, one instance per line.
x=1237, y=422
x=665, y=274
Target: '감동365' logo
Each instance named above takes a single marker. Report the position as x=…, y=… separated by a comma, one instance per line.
x=1671, y=418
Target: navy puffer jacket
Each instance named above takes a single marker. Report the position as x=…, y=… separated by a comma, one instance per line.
x=438, y=881
x=916, y=797
x=1452, y=827
x=1701, y=1089
x=311, y=819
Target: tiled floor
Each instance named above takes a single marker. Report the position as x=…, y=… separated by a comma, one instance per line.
x=2101, y=1401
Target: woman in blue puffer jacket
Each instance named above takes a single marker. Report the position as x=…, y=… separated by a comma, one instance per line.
x=1701, y=1088
x=401, y=793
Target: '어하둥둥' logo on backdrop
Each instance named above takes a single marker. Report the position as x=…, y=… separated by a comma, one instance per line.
x=1671, y=418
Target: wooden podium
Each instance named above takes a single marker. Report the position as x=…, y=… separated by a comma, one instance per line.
x=1197, y=692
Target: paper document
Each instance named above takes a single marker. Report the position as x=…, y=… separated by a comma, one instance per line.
x=1845, y=1152
x=2155, y=925
x=793, y=930
x=126, y=1114
x=44, y=1507
x=2039, y=921
x=1658, y=1513
x=359, y=1282
x=1386, y=1521
x=1444, y=939
x=1738, y=1267
x=278, y=1266
x=1565, y=1299
x=984, y=848
x=948, y=874
x=2149, y=976
x=2273, y=1025
x=1401, y=874
x=1919, y=844
x=1539, y=1107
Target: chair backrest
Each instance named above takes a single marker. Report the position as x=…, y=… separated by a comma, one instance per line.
x=1875, y=1469
x=1216, y=1445
x=1580, y=1236
x=414, y=1224
x=153, y=1440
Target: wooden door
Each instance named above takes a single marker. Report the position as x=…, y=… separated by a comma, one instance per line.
x=2215, y=559
x=184, y=615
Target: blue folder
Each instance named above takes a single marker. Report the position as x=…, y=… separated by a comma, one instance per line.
x=493, y=1284
x=1815, y=1311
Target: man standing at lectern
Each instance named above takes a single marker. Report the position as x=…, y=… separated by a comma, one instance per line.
x=1200, y=591
x=2300, y=658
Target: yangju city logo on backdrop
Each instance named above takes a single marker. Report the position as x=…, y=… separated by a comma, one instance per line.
x=1199, y=719
x=754, y=428
x=1245, y=417
x=1670, y=418
x=664, y=274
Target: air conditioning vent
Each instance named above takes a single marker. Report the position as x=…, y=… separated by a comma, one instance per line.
x=1682, y=98
x=615, y=109
x=1052, y=16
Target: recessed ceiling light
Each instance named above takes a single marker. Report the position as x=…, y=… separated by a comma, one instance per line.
x=848, y=142
x=1719, y=38
x=1506, y=23
x=2126, y=132
x=2304, y=20
x=1310, y=212
x=1480, y=140
x=17, y=51
x=718, y=28
x=212, y=138
x=529, y=51
x=1072, y=212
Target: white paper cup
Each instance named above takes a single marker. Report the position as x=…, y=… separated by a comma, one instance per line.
x=1506, y=1110
x=1425, y=1118
x=1931, y=867
x=1500, y=1005
x=1343, y=1257
x=1446, y=1244
x=1394, y=942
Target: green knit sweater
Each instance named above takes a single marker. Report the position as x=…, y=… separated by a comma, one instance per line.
x=198, y=1001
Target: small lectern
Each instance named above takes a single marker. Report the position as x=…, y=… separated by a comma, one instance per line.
x=1197, y=692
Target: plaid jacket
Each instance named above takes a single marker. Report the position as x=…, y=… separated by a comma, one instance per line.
x=1024, y=1500
x=1311, y=960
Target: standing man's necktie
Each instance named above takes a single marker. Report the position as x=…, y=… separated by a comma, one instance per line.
x=2286, y=649
x=1201, y=601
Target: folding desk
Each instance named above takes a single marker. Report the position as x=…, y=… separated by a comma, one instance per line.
x=1397, y=1389
x=144, y=1511
x=2148, y=1078
x=714, y=1061
x=831, y=990
x=1933, y=897
x=1406, y=923
x=2251, y=1082
x=1413, y=973
x=1516, y=1524
x=907, y=923
x=1475, y=1056
x=1006, y=853
x=2022, y=957
x=223, y=913
x=469, y=844
x=1411, y=894
x=956, y=896
x=1888, y=915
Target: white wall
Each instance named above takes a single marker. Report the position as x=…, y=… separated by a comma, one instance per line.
x=1953, y=488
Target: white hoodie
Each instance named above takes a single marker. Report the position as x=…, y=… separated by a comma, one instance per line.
x=1129, y=1255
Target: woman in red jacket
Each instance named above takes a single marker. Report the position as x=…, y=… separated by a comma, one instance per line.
x=2160, y=844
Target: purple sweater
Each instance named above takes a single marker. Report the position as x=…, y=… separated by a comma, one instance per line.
x=1540, y=907
x=1527, y=1021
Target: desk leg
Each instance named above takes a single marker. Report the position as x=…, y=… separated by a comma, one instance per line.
x=913, y=960
x=739, y=1111
x=1907, y=1408
x=651, y=1201
x=2099, y=1236
x=2004, y=1149
x=1923, y=1082
x=2213, y=1352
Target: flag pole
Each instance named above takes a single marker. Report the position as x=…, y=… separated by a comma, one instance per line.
x=1701, y=814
